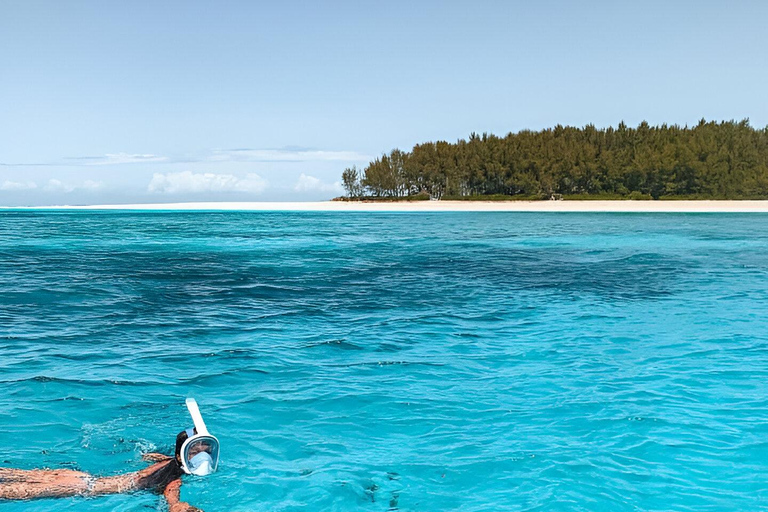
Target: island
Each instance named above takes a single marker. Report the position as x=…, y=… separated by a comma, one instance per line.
x=709, y=161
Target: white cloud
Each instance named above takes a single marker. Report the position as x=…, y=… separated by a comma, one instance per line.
x=18, y=185
x=55, y=185
x=312, y=184
x=125, y=158
x=181, y=182
x=284, y=155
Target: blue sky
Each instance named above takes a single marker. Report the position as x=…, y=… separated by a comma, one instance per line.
x=139, y=101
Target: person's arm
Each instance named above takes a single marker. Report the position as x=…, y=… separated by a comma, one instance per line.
x=175, y=504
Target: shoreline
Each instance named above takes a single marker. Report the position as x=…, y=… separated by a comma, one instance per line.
x=621, y=206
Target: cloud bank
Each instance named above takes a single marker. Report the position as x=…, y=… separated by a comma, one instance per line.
x=189, y=182
x=234, y=174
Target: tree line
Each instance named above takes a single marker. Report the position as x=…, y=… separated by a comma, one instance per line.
x=725, y=160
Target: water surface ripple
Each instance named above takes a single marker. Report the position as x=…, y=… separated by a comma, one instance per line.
x=382, y=361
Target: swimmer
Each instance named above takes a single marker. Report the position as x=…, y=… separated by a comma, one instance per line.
x=197, y=453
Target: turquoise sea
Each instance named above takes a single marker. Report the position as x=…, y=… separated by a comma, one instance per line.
x=376, y=361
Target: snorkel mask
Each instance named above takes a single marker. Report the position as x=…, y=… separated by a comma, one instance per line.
x=200, y=452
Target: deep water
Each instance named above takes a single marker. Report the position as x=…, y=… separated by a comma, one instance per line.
x=371, y=361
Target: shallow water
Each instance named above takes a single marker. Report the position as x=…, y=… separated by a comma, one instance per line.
x=448, y=361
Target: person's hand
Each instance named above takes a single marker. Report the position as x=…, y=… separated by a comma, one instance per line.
x=183, y=507
x=154, y=457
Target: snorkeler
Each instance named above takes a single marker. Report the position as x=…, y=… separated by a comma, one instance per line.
x=197, y=453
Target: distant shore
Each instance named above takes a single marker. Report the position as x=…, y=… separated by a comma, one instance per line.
x=444, y=206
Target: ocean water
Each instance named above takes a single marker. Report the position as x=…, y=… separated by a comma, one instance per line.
x=372, y=361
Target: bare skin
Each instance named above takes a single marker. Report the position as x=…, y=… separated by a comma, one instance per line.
x=171, y=494
x=19, y=484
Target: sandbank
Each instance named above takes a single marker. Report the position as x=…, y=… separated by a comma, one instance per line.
x=448, y=206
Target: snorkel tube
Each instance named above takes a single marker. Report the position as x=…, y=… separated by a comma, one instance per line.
x=200, y=451
x=197, y=418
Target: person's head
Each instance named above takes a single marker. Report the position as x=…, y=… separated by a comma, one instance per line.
x=197, y=451
x=196, y=455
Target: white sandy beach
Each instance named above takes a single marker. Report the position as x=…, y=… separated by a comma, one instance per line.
x=450, y=206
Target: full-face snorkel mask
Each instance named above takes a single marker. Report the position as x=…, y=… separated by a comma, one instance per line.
x=200, y=452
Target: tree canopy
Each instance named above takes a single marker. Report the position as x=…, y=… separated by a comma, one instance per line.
x=725, y=160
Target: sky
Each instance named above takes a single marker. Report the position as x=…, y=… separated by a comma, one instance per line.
x=145, y=101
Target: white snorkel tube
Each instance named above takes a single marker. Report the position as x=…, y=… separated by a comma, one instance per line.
x=197, y=418
x=200, y=451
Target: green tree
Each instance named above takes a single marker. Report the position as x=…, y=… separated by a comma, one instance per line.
x=350, y=180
